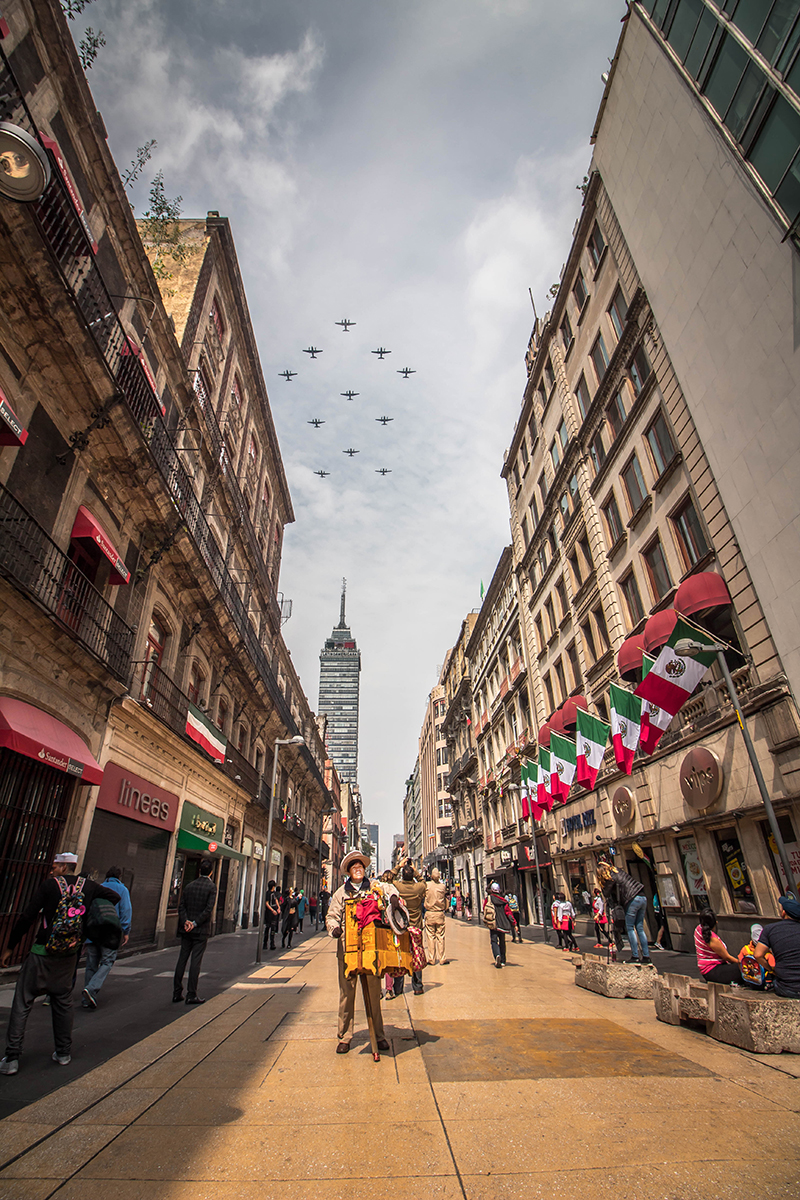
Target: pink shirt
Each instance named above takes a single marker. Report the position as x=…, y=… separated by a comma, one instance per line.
x=706, y=958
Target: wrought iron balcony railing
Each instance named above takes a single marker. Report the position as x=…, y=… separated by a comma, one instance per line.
x=33, y=562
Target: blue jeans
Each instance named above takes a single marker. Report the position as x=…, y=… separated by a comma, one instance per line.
x=498, y=941
x=634, y=924
x=99, y=962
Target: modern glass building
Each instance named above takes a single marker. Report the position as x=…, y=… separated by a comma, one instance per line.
x=339, y=669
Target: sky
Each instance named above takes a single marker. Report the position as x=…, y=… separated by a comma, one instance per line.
x=412, y=165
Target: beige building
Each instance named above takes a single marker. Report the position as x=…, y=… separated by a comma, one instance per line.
x=457, y=726
x=434, y=797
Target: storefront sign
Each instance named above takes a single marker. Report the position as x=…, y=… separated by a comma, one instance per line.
x=623, y=805
x=197, y=820
x=12, y=431
x=578, y=823
x=275, y=858
x=701, y=777
x=130, y=795
x=258, y=850
x=506, y=856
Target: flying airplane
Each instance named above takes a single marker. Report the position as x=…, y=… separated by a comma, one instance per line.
x=383, y=471
x=349, y=395
x=406, y=371
x=384, y=420
x=381, y=352
x=322, y=474
x=351, y=452
x=316, y=422
x=345, y=324
x=288, y=375
x=313, y=351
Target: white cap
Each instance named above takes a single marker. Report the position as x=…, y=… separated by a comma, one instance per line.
x=66, y=858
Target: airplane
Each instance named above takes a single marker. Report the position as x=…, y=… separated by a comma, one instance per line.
x=313, y=351
x=383, y=471
x=322, y=474
x=316, y=422
x=345, y=324
x=381, y=352
x=406, y=371
x=351, y=452
x=384, y=420
x=288, y=375
x=349, y=395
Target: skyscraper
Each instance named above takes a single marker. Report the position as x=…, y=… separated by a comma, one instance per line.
x=340, y=666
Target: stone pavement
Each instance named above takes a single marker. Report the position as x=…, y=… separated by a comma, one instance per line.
x=500, y=1083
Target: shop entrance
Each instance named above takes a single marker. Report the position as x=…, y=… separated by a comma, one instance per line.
x=287, y=872
x=644, y=872
x=140, y=851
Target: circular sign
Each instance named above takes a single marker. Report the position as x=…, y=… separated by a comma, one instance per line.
x=24, y=166
x=623, y=805
x=701, y=777
x=212, y=846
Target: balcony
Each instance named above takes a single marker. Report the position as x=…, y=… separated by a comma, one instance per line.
x=510, y=832
x=237, y=768
x=34, y=564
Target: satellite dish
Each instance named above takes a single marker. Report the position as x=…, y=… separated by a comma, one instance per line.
x=24, y=166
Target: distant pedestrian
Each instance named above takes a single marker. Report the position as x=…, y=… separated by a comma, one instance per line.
x=272, y=915
x=566, y=922
x=100, y=959
x=600, y=919
x=289, y=919
x=556, y=921
x=453, y=903
x=468, y=906
x=302, y=904
x=312, y=909
x=194, y=925
x=513, y=904
x=324, y=901
x=499, y=920
x=63, y=900
x=435, y=901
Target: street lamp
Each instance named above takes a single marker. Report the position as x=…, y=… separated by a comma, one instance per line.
x=297, y=740
x=688, y=648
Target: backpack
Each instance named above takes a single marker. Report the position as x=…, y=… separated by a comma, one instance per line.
x=754, y=973
x=103, y=927
x=66, y=932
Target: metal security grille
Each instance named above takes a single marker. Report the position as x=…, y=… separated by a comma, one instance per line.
x=34, y=802
x=140, y=851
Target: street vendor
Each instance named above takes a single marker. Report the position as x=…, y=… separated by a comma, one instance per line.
x=364, y=914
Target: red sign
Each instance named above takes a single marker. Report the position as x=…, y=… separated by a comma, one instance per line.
x=212, y=847
x=63, y=171
x=129, y=795
x=12, y=432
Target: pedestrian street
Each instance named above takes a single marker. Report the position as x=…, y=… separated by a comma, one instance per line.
x=499, y=1083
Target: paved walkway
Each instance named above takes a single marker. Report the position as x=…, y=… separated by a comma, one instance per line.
x=500, y=1083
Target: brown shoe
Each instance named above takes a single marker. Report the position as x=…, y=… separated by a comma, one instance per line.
x=383, y=1046
x=343, y=1048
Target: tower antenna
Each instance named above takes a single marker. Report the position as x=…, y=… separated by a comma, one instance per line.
x=341, y=612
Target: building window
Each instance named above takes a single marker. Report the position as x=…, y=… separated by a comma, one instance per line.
x=222, y=713
x=588, y=640
x=217, y=318
x=574, y=666
x=735, y=872
x=550, y=375
x=526, y=533
x=562, y=679
x=599, y=357
x=633, y=601
x=598, y=451
x=540, y=638
x=634, y=484
x=548, y=687
x=523, y=453
x=561, y=592
x=196, y=681
x=533, y=508
x=657, y=570
x=613, y=520
x=639, y=370
x=549, y=608
x=555, y=454
x=618, y=312
x=596, y=245
x=566, y=333
x=689, y=533
x=582, y=396
x=542, y=486
x=588, y=562
x=236, y=392
x=615, y=413
x=662, y=447
x=564, y=506
x=579, y=292
x=601, y=629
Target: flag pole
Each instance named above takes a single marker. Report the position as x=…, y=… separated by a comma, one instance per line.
x=540, y=898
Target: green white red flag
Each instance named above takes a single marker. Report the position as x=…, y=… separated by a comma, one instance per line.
x=654, y=720
x=626, y=721
x=591, y=737
x=205, y=733
x=544, y=800
x=672, y=678
x=527, y=785
x=563, y=762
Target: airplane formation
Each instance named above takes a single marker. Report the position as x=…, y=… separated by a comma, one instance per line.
x=314, y=351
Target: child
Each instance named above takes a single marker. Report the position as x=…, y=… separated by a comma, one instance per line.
x=600, y=919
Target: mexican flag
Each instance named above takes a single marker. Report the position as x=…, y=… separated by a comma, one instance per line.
x=527, y=786
x=563, y=761
x=671, y=680
x=544, y=801
x=626, y=720
x=203, y=731
x=654, y=720
x=592, y=739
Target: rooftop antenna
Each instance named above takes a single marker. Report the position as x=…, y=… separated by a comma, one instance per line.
x=342, y=623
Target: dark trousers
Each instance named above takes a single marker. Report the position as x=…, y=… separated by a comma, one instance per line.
x=498, y=940
x=41, y=974
x=270, y=929
x=400, y=981
x=601, y=931
x=724, y=973
x=197, y=948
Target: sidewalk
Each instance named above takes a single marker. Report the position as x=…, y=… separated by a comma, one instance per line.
x=500, y=1083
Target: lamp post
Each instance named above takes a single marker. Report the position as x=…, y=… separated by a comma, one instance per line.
x=688, y=648
x=297, y=740
x=326, y=812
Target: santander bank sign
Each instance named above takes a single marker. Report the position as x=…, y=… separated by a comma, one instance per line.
x=130, y=795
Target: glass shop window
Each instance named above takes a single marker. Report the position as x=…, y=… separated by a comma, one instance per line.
x=735, y=870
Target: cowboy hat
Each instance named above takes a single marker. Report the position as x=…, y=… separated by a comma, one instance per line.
x=353, y=857
x=397, y=918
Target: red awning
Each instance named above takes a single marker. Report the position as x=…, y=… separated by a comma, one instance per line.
x=12, y=431
x=569, y=709
x=34, y=733
x=700, y=593
x=556, y=722
x=629, y=659
x=543, y=736
x=658, y=629
x=86, y=526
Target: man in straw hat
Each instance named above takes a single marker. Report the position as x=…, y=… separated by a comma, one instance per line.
x=356, y=888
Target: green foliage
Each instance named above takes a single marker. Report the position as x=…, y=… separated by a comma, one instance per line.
x=161, y=231
x=89, y=45
x=74, y=8
x=143, y=155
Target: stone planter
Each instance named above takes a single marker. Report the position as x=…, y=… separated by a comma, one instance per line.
x=760, y=1022
x=619, y=980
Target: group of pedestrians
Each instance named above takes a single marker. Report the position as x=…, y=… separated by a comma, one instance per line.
x=770, y=960
x=286, y=911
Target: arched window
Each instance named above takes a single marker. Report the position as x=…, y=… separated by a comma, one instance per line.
x=217, y=319
x=222, y=713
x=236, y=392
x=241, y=740
x=196, y=681
x=252, y=452
x=157, y=637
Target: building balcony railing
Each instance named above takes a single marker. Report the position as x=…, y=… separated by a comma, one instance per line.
x=237, y=768
x=510, y=832
x=35, y=565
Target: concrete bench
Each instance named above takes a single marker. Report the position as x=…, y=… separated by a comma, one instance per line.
x=760, y=1022
x=619, y=980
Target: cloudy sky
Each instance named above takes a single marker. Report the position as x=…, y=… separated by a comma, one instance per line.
x=411, y=165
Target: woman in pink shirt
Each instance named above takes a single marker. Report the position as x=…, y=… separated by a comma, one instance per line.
x=715, y=963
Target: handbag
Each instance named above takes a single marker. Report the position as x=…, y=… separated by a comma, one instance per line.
x=418, y=959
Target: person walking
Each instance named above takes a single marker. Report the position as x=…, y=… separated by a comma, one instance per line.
x=555, y=920
x=435, y=903
x=630, y=896
x=63, y=900
x=272, y=914
x=412, y=892
x=566, y=920
x=301, y=908
x=194, y=925
x=453, y=903
x=289, y=921
x=513, y=904
x=312, y=909
x=600, y=919
x=499, y=920
x=324, y=902
x=100, y=959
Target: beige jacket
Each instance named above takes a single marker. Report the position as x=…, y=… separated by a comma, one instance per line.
x=435, y=900
x=335, y=915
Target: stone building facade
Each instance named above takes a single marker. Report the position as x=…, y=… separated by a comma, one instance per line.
x=434, y=798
